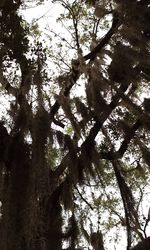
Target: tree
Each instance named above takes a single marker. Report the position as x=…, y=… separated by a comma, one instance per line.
x=57, y=145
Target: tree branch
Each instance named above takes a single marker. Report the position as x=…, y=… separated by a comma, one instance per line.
x=128, y=137
x=75, y=73
x=92, y=55
x=83, y=198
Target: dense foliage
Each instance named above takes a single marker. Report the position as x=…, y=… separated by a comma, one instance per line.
x=74, y=129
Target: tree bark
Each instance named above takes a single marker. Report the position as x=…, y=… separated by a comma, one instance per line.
x=143, y=245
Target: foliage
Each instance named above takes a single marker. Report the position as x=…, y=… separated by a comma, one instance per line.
x=74, y=137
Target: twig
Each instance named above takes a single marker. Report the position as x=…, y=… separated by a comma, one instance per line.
x=83, y=198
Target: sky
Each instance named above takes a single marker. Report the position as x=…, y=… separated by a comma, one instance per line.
x=46, y=15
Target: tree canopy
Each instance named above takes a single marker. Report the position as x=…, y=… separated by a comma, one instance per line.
x=74, y=126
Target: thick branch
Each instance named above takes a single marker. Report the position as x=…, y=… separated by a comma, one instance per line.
x=88, y=143
x=92, y=55
x=129, y=136
x=128, y=202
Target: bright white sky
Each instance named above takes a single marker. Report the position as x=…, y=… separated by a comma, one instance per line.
x=46, y=15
